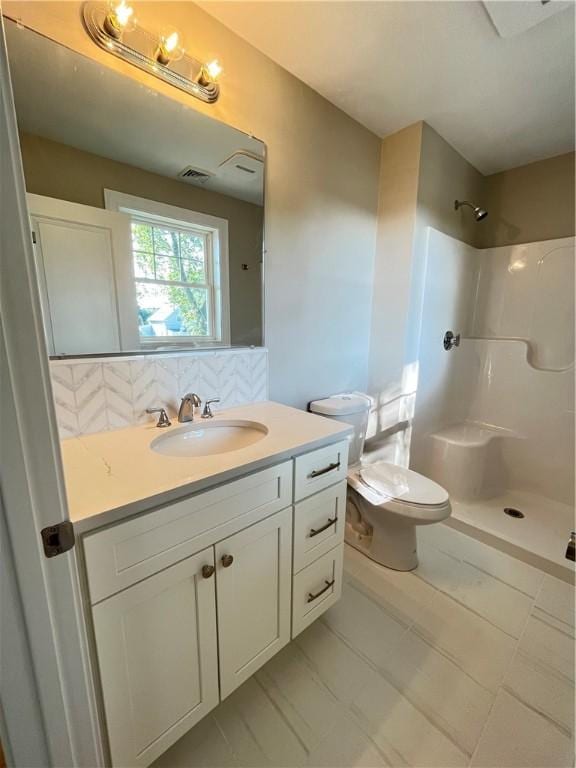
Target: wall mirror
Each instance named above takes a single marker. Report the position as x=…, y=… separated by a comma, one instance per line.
x=147, y=215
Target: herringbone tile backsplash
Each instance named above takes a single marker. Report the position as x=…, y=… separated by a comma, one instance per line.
x=103, y=394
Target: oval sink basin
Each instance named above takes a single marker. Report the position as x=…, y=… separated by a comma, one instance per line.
x=209, y=438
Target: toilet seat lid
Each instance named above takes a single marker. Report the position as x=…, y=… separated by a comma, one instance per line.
x=403, y=485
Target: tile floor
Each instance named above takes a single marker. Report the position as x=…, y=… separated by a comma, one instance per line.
x=467, y=661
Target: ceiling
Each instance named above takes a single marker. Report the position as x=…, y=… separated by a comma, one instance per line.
x=66, y=97
x=501, y=101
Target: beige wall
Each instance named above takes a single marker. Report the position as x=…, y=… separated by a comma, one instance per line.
x=60, y=171
x=321, y=195
x=399, y=164
x=446, y=176
x=421, y=175
x=530, y=203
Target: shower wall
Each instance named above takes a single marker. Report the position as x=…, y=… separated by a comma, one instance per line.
x=499, y=409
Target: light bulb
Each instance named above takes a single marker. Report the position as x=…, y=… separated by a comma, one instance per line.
x=120, y=18
x=214, y=69
x=169, y=48
x=210, y=72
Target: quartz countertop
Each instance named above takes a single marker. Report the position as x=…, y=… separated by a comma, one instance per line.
x=116, y=474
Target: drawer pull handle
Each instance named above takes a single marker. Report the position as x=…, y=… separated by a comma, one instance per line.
x=316, y=531
x=207, y=571
x=329, y=468
x=312, y=597
x=227, y=561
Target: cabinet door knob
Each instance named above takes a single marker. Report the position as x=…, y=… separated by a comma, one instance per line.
x=227, y=561
x=207, y=571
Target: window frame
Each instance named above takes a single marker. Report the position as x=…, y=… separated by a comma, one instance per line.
x=216, y=229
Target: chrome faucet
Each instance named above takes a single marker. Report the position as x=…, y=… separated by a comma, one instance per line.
x=186, y=410
x=207, y=412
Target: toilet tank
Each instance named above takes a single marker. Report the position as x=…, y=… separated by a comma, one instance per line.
x=353, y=409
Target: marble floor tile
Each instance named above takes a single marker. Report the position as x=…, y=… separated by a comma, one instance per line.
x=542, y=672
x=518, y=737
x=341, y=670
x=556, y=598
x=508, y=569
x=401, y=594
x=365, y=623
x=403, y=733
x=449, y=698
x=439, y=569
x=503, y=606
x=469, y=661
x=347, y=746
x=202, y=747
x=299, y=695
x=498, y=602
x=480, y=649
x=257, y=732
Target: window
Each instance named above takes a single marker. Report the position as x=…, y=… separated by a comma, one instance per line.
x=173, y=281
x=179, y=271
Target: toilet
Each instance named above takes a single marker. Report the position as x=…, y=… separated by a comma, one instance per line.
x=385, y=502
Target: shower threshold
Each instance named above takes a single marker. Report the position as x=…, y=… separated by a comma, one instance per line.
x=539, y=538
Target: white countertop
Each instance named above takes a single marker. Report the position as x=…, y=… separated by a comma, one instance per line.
x=112, y=475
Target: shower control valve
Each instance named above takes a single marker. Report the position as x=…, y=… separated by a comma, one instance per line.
x=451, y=340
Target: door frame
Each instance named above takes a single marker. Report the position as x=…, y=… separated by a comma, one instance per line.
x=55, y=706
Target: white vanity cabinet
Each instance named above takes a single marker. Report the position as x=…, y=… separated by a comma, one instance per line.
x=189, y=600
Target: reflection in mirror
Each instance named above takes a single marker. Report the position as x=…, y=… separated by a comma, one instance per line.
x=147, y=215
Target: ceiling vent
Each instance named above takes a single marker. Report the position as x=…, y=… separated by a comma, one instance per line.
x=242, y=164
x=195, y=175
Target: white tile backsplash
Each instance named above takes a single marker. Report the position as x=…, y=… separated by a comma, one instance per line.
x=111, y=393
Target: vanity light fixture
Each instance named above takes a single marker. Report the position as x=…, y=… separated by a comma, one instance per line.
x=113, y=27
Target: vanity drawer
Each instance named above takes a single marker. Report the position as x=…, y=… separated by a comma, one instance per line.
x=320, y=469
x=319, y=524
x=128, y=552
x=316, y=588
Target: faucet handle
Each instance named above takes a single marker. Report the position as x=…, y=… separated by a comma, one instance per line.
x=571, y=548
x=207, y=412
x=163, y=420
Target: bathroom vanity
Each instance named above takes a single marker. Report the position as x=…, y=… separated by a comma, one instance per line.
x=194, y=581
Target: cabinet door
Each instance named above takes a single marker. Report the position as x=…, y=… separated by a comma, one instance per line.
x=254, y=588
x=157, y=653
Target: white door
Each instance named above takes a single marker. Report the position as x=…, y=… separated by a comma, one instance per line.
x=86, y=277
x=253, y=577
x=157, y=654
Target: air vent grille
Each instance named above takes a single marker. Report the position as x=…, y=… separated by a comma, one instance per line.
x=195, y=175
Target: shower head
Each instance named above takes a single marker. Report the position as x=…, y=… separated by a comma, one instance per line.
x=479, y=213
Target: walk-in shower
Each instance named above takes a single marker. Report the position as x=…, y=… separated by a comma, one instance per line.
x=494, y=417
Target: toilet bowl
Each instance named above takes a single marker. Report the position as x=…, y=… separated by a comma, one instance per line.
x=390, y=502
x=385, y=502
